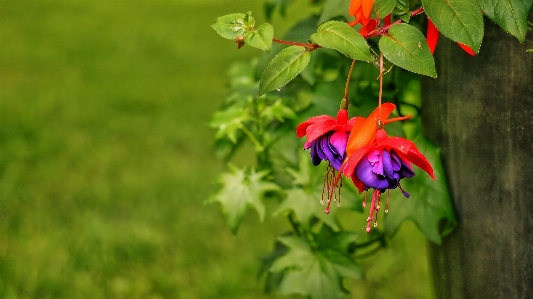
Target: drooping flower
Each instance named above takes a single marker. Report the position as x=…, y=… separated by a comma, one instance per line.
x=432, y=37
x=381, y=166
x=321, y=134
x=365, y=129
x=327, y=137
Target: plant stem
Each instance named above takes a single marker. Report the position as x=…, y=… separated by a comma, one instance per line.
x=257, y=144
x=347, y=84
x=309, y=47
x=386, y=28
x=380, y=126
x=294, y=225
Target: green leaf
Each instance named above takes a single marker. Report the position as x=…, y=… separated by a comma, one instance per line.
x=281, y=5
x=334, y=8
x=384, y=7
x=315, y=273
x=299, y=33
x=229, y=121
x=308, y=74
x=402, y=10
x=406, y=47
x=402, y=7
x=343, y=38
x=305, y=206
x=429, y=205
x=277, y=111
x=240, y=190
x=510, y=15
x=303, y=200
x=272, y=279
x=249, y=21
x=283, y=68
x=260, y=38
x=230, y=26
x=459, y=20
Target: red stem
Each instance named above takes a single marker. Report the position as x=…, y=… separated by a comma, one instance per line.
x=384, y=29
x=286, y=42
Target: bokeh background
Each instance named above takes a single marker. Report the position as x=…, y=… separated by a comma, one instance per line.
x=106, y=158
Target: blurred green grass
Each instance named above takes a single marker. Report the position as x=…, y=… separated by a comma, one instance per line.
x=106, y=158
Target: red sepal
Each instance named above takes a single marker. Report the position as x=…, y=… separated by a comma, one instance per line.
x=467, y=49
x=432, y=36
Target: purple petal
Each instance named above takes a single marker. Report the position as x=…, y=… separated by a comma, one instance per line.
x=406, y=171
x=373, y=156
x=375, y=159
x=365, y=173
x=324, y=144
x=337, y=162
x=404, y=168
x=315, y=157
x=319, y=151
x=387, y=163
x=396, y=162
x=339, y=140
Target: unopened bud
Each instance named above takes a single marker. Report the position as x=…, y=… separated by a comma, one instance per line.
x=239, y=41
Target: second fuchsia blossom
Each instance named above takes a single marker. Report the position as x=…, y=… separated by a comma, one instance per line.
x=360, y=149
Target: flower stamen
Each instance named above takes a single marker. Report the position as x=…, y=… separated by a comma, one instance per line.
x=387, y=204
x=403, y=191
x=334, y=186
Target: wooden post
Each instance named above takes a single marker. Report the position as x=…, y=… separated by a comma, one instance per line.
x=480, y=112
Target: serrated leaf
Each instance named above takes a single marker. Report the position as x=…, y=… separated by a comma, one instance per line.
x=305, y=206
x=383, y=7
x=230, y=26
x=303, y=200
x=277, y=111
x=229, y=121
x=283, y=68
x=406, y=47
x=510, y=15
x=429, y=203
x=260, y=38
x=459, y=20
x=239, y=191
x=272, y=279
x=315, y=273
x=343, y=38
x=334, y=8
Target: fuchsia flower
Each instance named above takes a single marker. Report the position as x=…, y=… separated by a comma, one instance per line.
x=381, y=163
x=327, y=137
x=360, y=149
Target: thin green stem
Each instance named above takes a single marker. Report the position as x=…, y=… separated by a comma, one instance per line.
x=258, y=146
x=347, y=85
x=294, y=225
x=380, y=126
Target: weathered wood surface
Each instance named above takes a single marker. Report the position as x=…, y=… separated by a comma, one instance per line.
x=480, y=112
